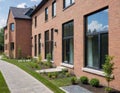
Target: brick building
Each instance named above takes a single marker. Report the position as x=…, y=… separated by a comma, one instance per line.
x=18, y=33
x=78, y=34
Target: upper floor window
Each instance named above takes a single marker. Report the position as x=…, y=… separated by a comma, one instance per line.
x=35, y=21
x=12, y=27
x=54, y=8
x=67, y=3
x=46, y=14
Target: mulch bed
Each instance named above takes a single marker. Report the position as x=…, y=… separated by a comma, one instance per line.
x=100, y=89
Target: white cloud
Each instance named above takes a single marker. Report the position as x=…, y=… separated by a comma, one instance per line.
x=1, y=0
x=2, y=22
x=22, y=5
x=95, y=25
x=35, y=0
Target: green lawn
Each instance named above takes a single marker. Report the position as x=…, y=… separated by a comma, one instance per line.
x=3, y=85
x=26, y=67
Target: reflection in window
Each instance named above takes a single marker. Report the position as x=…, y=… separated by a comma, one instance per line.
x=96, y=39
x=46, y=14
x=54, y=8
x=67, y=3
x=12, y=27
x=68, y=43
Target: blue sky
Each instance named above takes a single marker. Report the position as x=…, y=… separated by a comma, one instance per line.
x=98, y=21
x=6, y=4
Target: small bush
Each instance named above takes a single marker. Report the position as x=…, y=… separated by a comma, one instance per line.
x=94, y=82
x=54, y=75
x=67, y=74
x=73, y=80
x=49, y=57
x=64, y=71
x=39, y=60
x=84, y=80
x=49, y=75
x=36, y=66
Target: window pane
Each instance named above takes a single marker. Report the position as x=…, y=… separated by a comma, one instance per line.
x=98, y=21
x=104, y=47
x=92, y=52
x=12, y=26
x=54, y=9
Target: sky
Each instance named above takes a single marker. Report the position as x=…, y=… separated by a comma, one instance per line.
x=98, y=21
x=6, y=4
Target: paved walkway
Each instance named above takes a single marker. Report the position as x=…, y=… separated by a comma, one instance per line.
x=75, y=89
x=19, y=81
x=57, y=69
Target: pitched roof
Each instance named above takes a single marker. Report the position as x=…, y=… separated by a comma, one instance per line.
x=21, y=13
x=40, y=5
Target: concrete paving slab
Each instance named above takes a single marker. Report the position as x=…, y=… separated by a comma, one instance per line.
x=19, y=81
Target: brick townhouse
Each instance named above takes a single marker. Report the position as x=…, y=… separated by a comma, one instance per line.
x=17, y=34
x=78, y=34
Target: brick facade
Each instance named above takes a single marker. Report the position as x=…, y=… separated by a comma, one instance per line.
x=77, y=12
x=21, y=36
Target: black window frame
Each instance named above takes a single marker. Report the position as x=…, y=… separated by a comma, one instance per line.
x=46, y=14
x=39, y=44
x=67, y=38
x=46, y=36
x=12, y=46
x=53, y=8
x=35, y=45
x=93, y=34
x=64, y=4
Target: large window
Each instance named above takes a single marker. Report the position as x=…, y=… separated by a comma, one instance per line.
x=39, y=44
x=12, y=27
x=67, y=3
x=96, y=38
x=54, y=8
x=67, y=46
x=46, y=14
x=35, y=45
x=49, y=44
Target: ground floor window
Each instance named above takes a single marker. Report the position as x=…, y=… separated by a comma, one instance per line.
x=39, y=44
x=67, y=45
x=12, y=46
x=96, y=38
x=35, y=45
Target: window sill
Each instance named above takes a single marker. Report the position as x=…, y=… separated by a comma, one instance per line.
x=67, y=65
x=68, y=6
x=93, y=71
x=53, y=16
x=46, y=60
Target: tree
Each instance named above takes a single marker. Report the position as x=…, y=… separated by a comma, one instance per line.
x=1, y=39
x=108, y=68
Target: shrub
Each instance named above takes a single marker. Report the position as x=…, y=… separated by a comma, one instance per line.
x=49, y=75
x=73, y=80
x=64, y=71
x=39, y=59
x=36, y=66
x=94, y=82
x=84, y=80
x=49, y=57
x=108, y=68
x=54, y=74
x=67, y=74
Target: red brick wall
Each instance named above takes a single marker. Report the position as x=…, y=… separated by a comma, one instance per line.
x=77, y=12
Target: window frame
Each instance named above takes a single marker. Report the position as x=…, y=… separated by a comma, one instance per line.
x=53, y=8
x=64, y=4
x=12, y=26
x=92, y=34
x=46, y=14
x=35, y=21
x=67, y=38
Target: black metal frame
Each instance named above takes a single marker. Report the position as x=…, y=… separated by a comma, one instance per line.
x=65, y=38
x=92, y=34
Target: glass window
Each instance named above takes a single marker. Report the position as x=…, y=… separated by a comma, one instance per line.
x=47, y=45
x=39, y=44
x=12, y=27
x=12, y=46
x=35, y=46
x=46, y=14
x=68, y=49
x=67, y=3
x=96, y=39
x=54, y=8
